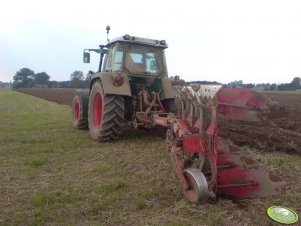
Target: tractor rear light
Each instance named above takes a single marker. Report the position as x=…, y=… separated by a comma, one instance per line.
x=117, y=80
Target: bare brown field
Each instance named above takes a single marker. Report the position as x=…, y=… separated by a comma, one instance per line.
x=60, y=96
x=282, y=134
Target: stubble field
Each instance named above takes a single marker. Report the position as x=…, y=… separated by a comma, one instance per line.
x=51, y=174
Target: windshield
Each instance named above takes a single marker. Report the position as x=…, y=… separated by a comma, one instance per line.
x=143, y=60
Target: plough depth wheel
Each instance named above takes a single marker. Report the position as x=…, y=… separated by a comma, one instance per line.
x=197, y=184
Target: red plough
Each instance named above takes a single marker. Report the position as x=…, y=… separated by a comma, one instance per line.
x=205, y=164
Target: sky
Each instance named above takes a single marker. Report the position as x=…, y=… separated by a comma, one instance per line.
x=256, y=41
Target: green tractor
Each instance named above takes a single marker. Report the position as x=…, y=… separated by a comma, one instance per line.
x=130, y=68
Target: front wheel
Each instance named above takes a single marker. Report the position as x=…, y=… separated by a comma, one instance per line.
x=105, y=114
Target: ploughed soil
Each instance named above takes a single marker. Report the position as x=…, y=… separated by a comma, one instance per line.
x=280, y=134
x=60, y=96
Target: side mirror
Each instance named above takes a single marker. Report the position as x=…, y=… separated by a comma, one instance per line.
x=86, y=58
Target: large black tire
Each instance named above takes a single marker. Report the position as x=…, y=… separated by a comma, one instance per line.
x=80, y=109
x=105, y=114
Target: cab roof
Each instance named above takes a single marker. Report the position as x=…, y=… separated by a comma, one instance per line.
x=142, y=41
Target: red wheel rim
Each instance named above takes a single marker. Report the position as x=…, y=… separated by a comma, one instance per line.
x=76, y=111
x=97, y=110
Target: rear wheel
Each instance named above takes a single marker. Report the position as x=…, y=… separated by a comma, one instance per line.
x=80, y=109
x=105, y=114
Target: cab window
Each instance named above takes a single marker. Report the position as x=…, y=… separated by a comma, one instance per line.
x=143, y=61
x=118, y=59
x=114, y=59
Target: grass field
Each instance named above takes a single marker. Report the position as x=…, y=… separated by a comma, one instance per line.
x=52, y=174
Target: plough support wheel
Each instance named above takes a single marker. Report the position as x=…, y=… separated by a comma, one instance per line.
x=198, y=187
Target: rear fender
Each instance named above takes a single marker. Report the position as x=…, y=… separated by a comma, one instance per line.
x=167, y=89
x=107, y=82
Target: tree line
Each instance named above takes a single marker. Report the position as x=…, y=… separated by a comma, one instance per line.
x=27, y=78
x=5, y=84
x=293, y=85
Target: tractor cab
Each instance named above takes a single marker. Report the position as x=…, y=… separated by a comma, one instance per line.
x=140, y=61
x=136, y=56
